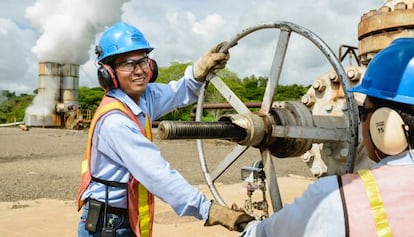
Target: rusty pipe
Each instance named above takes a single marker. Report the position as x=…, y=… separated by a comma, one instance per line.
x=200, y=130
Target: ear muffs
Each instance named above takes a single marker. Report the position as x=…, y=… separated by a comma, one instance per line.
x=154, y=70
x=106, y=76
x=387, y=131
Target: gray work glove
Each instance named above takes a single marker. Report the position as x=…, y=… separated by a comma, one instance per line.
x=210, y=62
x=230, y=218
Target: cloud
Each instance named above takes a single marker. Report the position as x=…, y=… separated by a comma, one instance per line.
x=208, y=25
x=17, y=70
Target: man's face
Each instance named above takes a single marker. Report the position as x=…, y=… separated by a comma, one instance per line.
x=132, y=70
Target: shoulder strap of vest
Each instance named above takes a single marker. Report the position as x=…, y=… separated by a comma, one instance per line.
x=116, y=104
x=345, y=210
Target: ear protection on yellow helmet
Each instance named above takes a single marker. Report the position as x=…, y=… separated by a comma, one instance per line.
x=388, y=131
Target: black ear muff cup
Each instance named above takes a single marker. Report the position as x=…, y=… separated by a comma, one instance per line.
x=106, y=77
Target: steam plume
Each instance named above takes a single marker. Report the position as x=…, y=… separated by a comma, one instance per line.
x=68, y=27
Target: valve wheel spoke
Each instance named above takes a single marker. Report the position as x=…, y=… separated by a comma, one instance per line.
x=275, y=71
x=228, y=161
x=229, y=95
x=271, y=180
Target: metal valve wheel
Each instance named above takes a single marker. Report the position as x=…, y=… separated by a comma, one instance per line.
x=264, y=130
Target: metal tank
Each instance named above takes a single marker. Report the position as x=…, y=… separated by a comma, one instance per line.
x=69, y=89
x=58, y=90
x=42, y=111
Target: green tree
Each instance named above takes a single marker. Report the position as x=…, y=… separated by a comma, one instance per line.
x=174, y=72
x=89, y=98
x=290, y=92
x=254, y=88
x=12, y=109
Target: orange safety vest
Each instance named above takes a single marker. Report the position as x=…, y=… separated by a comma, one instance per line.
x=379, y=202
x=140, y=200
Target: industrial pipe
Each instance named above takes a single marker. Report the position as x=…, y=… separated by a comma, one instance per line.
x=11, y=124
x=200, y=130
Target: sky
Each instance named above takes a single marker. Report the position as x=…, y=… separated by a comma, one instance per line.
x=66, y=31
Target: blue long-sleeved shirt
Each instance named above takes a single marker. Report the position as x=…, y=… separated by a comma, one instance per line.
x=120, y=150
x=318, y=212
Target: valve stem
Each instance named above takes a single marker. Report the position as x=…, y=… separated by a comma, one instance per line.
x=200, y=130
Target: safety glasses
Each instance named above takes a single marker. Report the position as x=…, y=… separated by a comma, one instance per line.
x=130, y=64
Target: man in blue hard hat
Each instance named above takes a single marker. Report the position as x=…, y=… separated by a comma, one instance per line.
x=123, y=169
x=370, y=202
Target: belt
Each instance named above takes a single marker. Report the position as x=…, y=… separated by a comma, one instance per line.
x=113, y=210
x=117, y=211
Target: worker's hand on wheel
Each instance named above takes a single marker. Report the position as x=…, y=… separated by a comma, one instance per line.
x=230, y=218
x=210, y=62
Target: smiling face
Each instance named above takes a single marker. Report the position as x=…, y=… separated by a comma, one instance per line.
x=133, y=77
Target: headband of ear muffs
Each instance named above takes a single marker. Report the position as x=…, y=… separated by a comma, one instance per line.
x=388, y=131
x=108, y=80
x=154, y=70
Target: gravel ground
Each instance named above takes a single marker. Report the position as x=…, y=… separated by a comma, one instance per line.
x=45, y=162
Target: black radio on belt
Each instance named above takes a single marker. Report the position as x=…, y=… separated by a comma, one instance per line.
x=95, y=209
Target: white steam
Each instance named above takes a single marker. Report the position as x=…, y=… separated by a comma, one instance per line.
x=68, y=30
x=43, y=105
x=68, y=27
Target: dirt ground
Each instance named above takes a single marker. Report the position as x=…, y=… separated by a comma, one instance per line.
x=40, y=174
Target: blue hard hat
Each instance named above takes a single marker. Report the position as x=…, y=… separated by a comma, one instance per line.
x=390, y=74
x=121, y=38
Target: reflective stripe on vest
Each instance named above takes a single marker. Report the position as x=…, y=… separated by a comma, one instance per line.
x=140, y=201
x=144, y=211
x=375, y=201
x=378, y=202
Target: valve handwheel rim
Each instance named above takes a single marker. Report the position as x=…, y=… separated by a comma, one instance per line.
x=286, y=28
